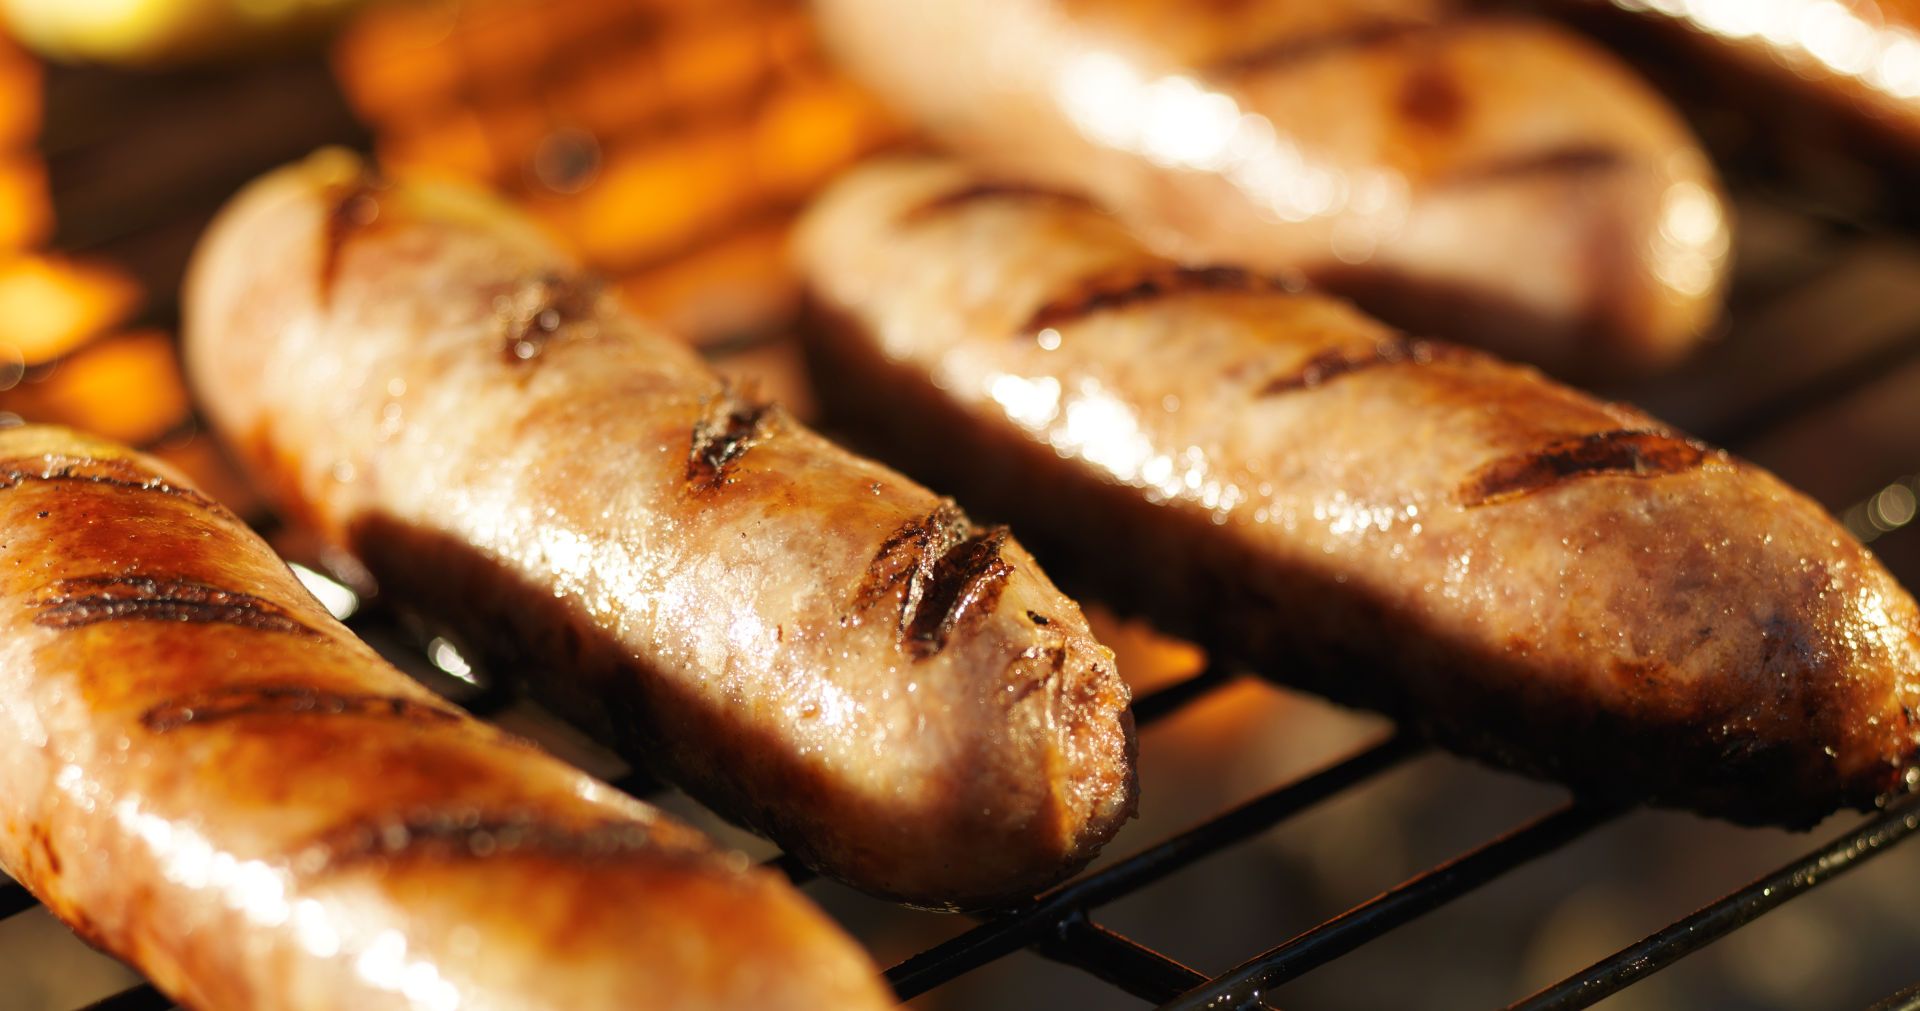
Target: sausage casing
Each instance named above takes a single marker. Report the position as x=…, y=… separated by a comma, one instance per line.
x=805, y=640
x=1485, y=178
x=205, y=774
x=1562, y=585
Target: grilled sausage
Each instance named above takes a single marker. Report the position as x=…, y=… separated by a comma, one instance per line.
x=1489, y=178
x=1822, y=88
x=1564, y=586
x=806, y=641
x=206, y=775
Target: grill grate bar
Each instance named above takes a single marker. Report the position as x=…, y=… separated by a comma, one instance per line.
x=1662, y=948
x=1158, y=705
x=14, y=898
x=1119, y=960
x=139, y=997
x=1241, y=986
x=1029, y=923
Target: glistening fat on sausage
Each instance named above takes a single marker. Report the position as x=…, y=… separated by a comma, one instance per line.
x=1490, y=178
x=805, y=640
x=206, y=775
x=1558, y=584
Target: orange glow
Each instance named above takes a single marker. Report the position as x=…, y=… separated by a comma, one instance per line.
x=51, y=305
x=810, y=132
x=126, y=387
x=669, y=144
x=457, y=144
x=394, y=59
x=1149, y=659
x=19, y=97
x=651, y=200
x=726, y=287
x=26, y=213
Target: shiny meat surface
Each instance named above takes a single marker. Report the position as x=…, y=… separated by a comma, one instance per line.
x=805, y=640
x=1859, y=55
x=1490, y=179
x=1562, y=585
x=204, y=774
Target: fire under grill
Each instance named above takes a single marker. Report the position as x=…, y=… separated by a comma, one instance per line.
x=1815, y=380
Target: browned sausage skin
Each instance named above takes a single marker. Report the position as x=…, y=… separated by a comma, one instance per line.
x=806, y=640
x=206, y=775
x=1491, y=179
x=1565, y=586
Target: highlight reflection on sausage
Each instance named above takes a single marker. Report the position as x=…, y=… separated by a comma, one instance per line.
x=204, y=774
x=807, y=641
x=1491, y=179
x=1558, y=584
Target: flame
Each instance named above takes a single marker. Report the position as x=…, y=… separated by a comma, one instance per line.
x=127, y=387
x=50, y=305
x=670, y=149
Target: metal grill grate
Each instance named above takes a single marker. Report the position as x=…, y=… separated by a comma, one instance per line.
x=1770, y=391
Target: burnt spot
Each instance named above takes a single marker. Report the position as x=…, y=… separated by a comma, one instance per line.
x=989, y=191
x=468, y=834
x=89, y=600
x=1299, y=49
x=1336, y=362
x=1572, y=160
x=543, y=309
x=903, y=558
x=1431, y=97
x=1039, y=619
x=1619, y=453
x=1107, y=292
x=964, y=584
x=944, y=574
x=352, y=207
x=732, y=425
x=286, y=700
x=114, y=473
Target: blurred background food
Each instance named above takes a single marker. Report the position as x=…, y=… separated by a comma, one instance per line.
x=670, y=142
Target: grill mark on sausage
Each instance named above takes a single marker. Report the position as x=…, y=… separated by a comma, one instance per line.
x=352, y=207
x=986, y=191
x=287, y=700
x=88, y=600
x=1564, y=160
x=1431, y=97
x=1336, y=362
x=1105, y=293
x=1620, y=453
x=1298, y=49
x=544, y=309
x=964, y=586
x=112, y=472
x=469, y=834
x=732, y=425
x=946, y=575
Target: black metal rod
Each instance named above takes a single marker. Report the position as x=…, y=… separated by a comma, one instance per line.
x=1028, y=923
x=1663, y=948
x=1243, y=985
x=790, y=865
x=14, y=898
x=1158, y=705
x=140, y=997
x=1118, y=959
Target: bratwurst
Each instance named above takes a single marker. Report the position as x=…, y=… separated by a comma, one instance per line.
x=1489, y=178
x=805, y=640
x=1565, y=586
x=206, y=775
